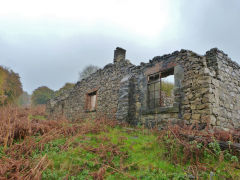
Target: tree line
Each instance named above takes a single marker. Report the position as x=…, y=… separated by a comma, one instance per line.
x=11, y=91
x=42, y=94
x=10, y=86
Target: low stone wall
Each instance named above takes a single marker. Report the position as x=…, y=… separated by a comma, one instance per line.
x=159, y=120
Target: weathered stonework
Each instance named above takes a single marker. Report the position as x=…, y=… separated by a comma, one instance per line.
x=206, y=91
x=105, y=81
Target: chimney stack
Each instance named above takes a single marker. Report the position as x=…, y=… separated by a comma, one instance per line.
x=119, y=54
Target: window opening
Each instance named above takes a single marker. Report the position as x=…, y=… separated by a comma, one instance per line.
x=160, y=89
x=92, y=101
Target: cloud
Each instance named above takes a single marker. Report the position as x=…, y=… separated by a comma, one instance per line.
x=139, y=17
x=49, y=42
x=206, y=24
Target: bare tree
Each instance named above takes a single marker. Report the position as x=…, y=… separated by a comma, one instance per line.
x=87, y=71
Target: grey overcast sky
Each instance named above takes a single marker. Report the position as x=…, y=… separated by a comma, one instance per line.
x=49, y=41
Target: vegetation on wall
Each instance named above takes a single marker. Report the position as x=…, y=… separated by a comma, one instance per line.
x=167, y=87
x=10, y=86
x=41, y=95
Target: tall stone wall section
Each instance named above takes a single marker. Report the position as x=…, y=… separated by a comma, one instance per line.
x=197, y=102
x=105, y=81
x=225, y=89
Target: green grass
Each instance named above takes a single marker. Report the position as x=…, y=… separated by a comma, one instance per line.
x=144, y=157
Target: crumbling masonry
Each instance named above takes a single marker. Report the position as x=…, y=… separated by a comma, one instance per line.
x=206, y=90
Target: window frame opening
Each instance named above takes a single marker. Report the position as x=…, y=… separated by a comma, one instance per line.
x=155, y=98
x=91, y=101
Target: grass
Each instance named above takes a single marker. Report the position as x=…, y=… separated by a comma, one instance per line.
x=103, y=149
x=144, y=157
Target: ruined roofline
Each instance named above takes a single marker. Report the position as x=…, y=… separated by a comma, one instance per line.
x=118, y=59
x=166, y=57
x=78, y=83
x=109, y=65
x=216, y=52
x=169, y=56
x=211, y=52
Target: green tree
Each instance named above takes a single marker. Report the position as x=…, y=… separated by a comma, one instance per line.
x=41, y=95
x=3, y=75
x=10, y=86
x=13, y=87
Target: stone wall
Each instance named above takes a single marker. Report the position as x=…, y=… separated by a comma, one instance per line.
x=225, y=89
x=139, y=112
x=197, y=102
x=105, y=81
x=206, y=91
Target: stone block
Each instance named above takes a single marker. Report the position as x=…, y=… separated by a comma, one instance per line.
x=196, y=116
x=187, y=116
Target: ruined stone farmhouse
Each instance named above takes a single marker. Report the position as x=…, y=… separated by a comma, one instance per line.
x=206, y=90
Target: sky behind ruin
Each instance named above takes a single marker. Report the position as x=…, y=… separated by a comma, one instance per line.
x=50, y=42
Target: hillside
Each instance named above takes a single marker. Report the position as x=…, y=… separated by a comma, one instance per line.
x=32, y=146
